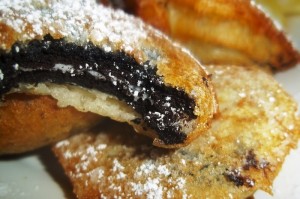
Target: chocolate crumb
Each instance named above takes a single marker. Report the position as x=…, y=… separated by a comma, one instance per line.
x=252, y=162
x=238, y=179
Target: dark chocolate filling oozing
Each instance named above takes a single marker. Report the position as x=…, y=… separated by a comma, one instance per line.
x=115, y=73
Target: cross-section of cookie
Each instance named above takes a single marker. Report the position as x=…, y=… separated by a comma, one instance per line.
x=103, y=61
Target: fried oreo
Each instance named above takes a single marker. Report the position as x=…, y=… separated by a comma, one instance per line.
x=241, y=153
x=103, y=61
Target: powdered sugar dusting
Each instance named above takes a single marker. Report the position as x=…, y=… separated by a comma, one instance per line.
x=152, y=187
x=117, y=166
x=77, y=21
x=100, y=165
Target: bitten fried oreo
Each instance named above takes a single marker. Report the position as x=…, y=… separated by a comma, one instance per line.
x=241, y=153
x=103, y=61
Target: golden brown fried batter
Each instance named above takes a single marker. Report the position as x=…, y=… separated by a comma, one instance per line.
x=28, y=122
x=241, y=153
x=220, y=31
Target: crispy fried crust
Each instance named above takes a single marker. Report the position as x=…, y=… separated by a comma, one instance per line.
x=241, y=153
x=220, y=31
x=28, y=122
x=109, y=63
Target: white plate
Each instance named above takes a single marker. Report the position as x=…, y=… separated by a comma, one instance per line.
x=33, y=176
x=38, y=174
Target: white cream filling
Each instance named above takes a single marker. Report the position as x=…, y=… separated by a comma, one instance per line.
x=83, y=100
